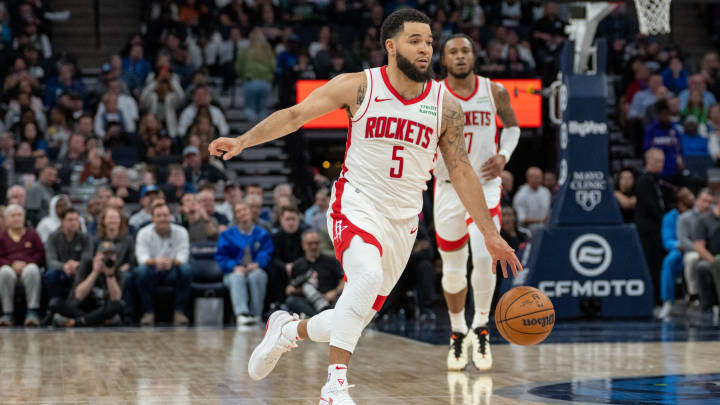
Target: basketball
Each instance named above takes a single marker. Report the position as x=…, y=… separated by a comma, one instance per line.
x=524, y=316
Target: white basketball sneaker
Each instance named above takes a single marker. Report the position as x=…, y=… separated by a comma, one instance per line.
x=335, y=392
x=457, y=358
x=481, y=355
x=274, y=344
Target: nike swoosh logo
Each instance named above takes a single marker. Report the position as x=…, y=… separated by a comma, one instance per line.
x=379, y=100
x=413, y=231
x=340, y=368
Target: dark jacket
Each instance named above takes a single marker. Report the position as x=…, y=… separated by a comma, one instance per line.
x=287, y=247
x=60, y=250
x=650, y=206
x=125, y=249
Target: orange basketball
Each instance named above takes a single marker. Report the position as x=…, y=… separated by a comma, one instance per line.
x=524, y=316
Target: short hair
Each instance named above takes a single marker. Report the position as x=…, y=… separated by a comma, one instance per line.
x=456, y=36
x=662, y=106
x=68, y=211
x=308, y=232
x=253, y=185
x=279, y=187
x=395, y=22
x=13, y=188
x=290, y=208
x=241, y=202
x=117, y=170
x=13, y=208
x=158, y=204
x=175, y=168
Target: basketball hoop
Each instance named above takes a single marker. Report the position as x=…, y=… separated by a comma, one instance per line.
x=654, y=16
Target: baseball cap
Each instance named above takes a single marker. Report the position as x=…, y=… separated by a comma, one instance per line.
x=189, y=150
x=148, y=189
x=107, y=246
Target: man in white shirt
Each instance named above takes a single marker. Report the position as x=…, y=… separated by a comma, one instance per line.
x=201, y=99
x=162, y=250
x=532, y=201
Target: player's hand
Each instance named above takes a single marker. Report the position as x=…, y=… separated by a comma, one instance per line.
x=500, y=251
x=228, y=148
x=493, y=167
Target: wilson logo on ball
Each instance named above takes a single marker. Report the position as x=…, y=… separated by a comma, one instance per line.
x=541, y=321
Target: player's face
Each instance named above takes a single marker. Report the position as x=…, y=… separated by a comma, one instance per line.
x=413, y=51
x=458, y=57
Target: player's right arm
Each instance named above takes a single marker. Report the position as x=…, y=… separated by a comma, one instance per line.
x=344, y=91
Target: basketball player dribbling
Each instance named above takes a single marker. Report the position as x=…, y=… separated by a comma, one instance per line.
x=481, y=100
x=398, y=119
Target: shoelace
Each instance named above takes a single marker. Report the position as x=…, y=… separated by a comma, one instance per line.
x=483, y=339
x=457, y=345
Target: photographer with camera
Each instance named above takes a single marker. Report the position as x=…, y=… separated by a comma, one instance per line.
x=96, y=296
x=316, y=280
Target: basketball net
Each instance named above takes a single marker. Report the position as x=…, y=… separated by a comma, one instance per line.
x=653, y=16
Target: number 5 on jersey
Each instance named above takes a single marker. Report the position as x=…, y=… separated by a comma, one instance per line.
x=397, y=173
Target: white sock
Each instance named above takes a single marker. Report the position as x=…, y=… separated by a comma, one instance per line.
x=458, y=322
x=337, y=377
x=482, y=278
x=290, y=330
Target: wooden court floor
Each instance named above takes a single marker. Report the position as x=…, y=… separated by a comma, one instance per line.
x=208, y=366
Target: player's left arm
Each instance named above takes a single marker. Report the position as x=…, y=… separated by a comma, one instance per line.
x=509, y=136
x=468, y=186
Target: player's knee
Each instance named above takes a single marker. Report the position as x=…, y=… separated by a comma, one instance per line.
x=454, y=277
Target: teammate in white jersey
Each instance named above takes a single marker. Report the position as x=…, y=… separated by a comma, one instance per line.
x=398, y=119
x=481, y=100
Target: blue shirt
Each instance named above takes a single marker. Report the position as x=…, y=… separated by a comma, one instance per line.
x=667, y=140
x=232, y=244
x=684, y=96
x=669, y=230
x=675, y=84
x=694, y=145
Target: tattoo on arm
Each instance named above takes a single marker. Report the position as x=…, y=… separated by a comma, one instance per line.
x=504, y=109
x=452, y=141
x=350, y=109
x=361, y=93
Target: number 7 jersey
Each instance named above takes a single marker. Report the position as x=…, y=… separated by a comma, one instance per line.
x=392, y=144
x=481, y=136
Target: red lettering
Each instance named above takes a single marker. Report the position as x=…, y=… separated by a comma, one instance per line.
x=467, y=117
x=428, y=132
x=486, y=120
x=380, y=127
x=390, y=132
x=420, y=132
x=399, y=132
x=369, y=126
x=475, y=117
x=409, y=130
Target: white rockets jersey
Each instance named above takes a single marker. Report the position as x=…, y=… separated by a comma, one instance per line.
x=391, y=145
x=480, y=132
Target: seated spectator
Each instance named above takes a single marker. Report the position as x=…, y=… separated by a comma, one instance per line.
x=697, y=83
x=150, y=132
x=120, y=185
x=201, y=99
x=108, y=112
x=135, y=69
x=664, y=135
x=233, y=195
x=66, y=249
x=550, y=181
x=674, y=76
x=645, y=98
x=21, y=256
x=162, y=98
x=692, y=143
x=685, y=225
x=162, y=250
x=625, y=194
x=287, y=247
x=144, y=216
x=58, y=132
x=316, y=281
x=197, y=169
x=200, y=225
x=72, y=160
x=315, y=216
x=30, y=134
x=97, y=169
x=16, y=195
x=176, y=186
x=243, y=252
x=51, y=223
x=695, y=107
x=206, y=198
x=64, y=82
x=515, y=236
x=706, y=240
x=96, y=296
x=255, y=203
x=40, y=194
x=508, y=187
x=672, y=264
x=532, y=201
